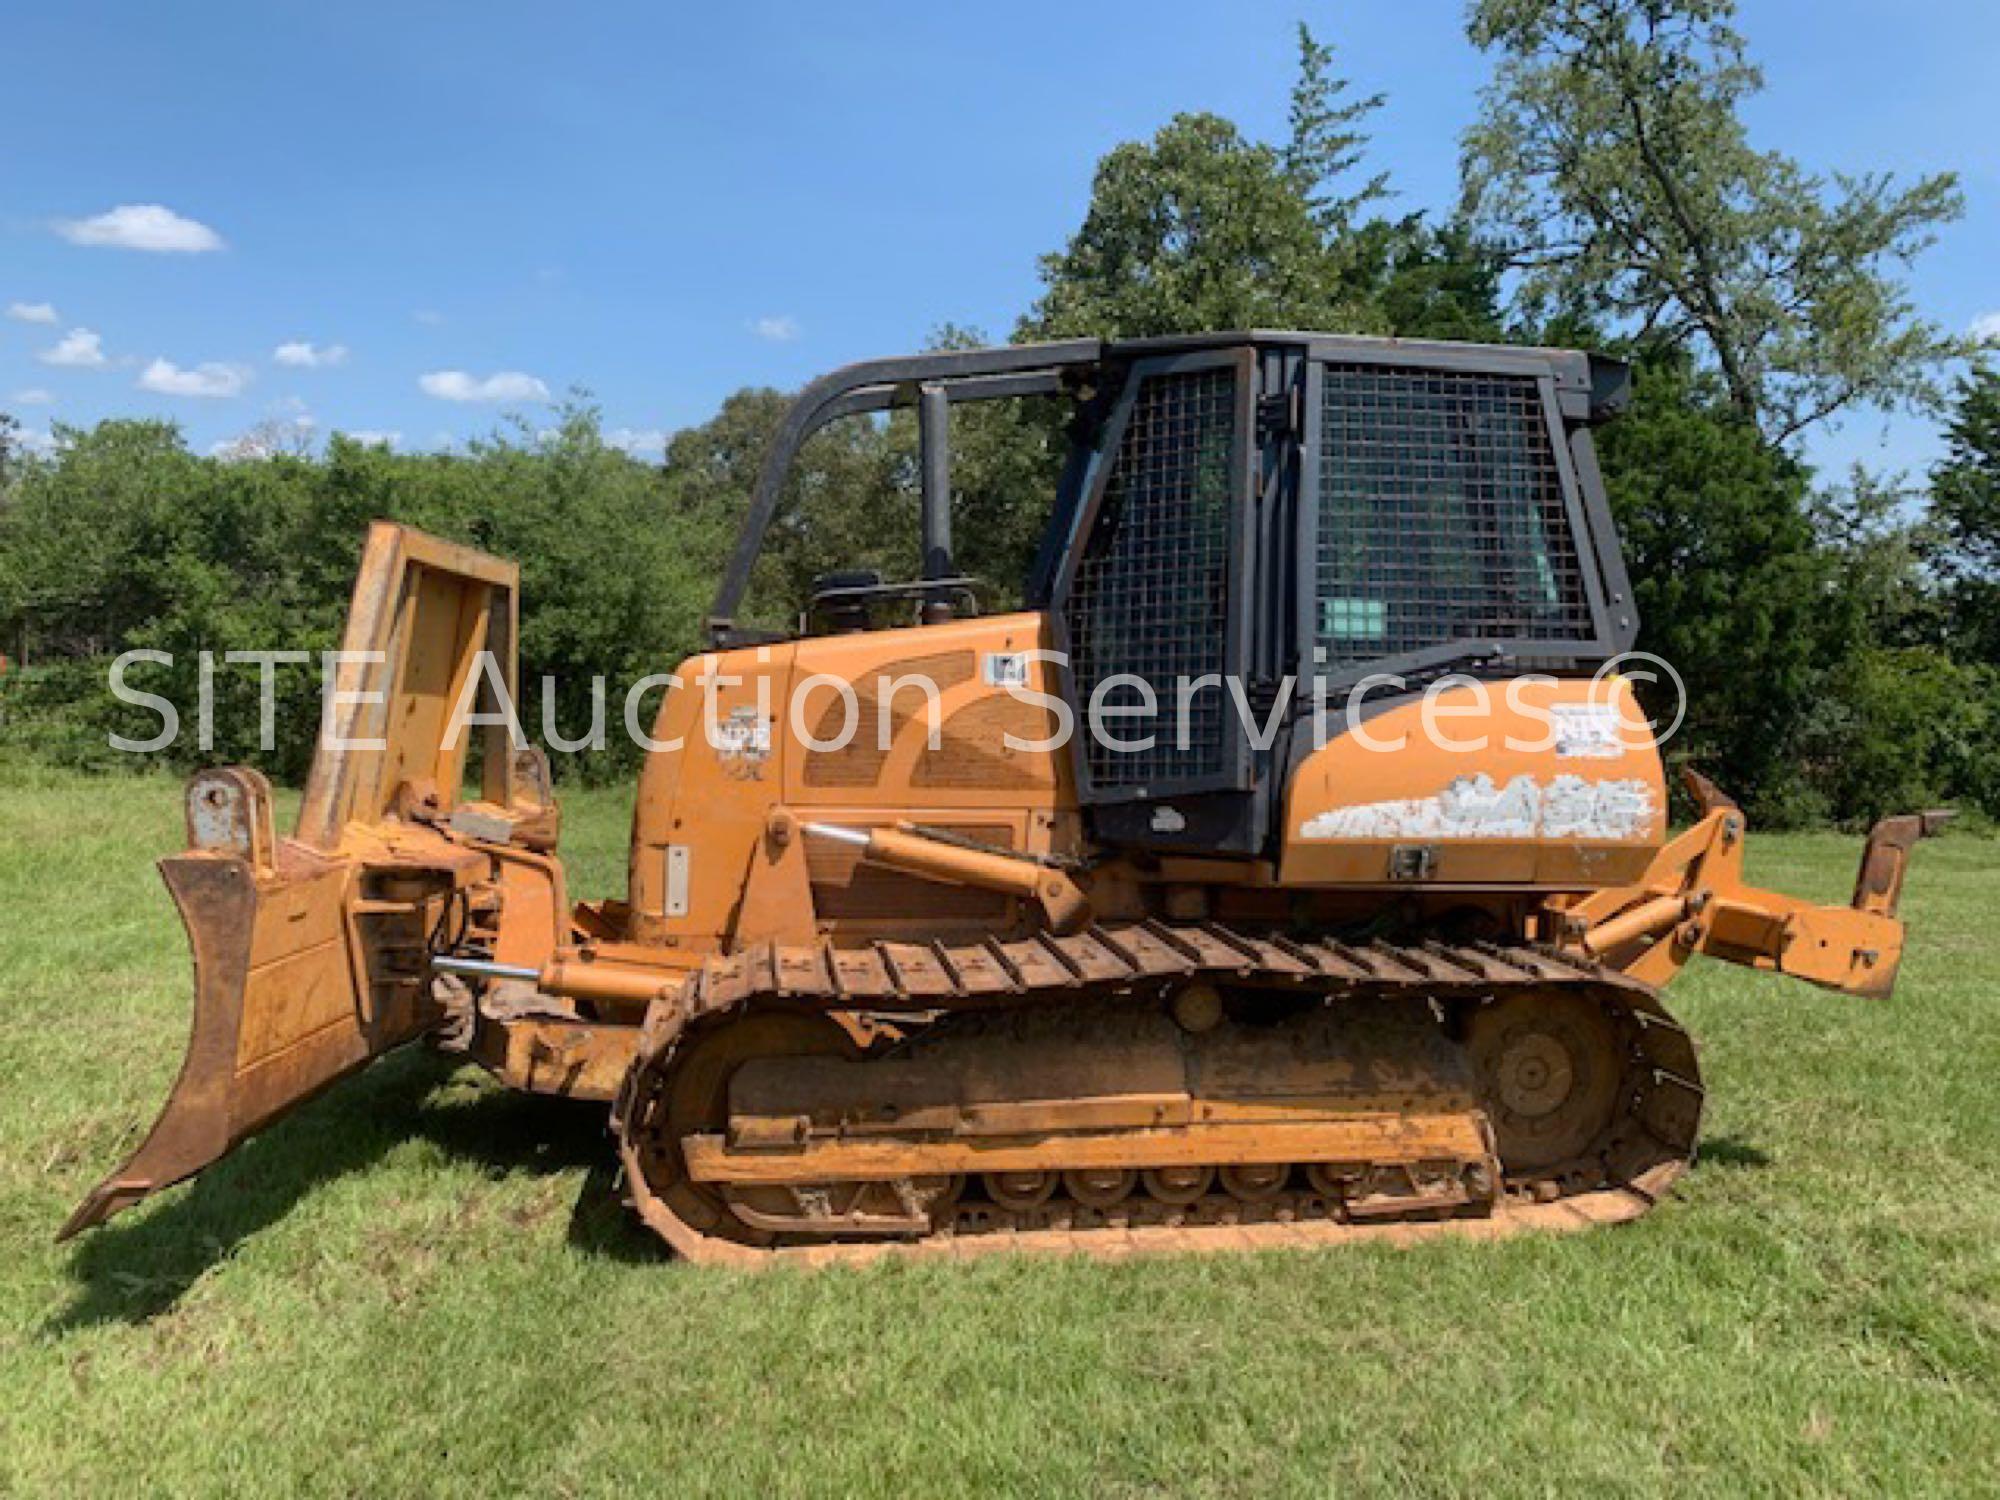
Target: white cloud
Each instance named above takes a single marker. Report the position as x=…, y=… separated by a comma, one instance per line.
x=31, y=312
x=142, y=226
x=1986, y=328
x=374, y=438
x=33, y=396
x=640, y=442
x=79, y=349
x=165, y=378
x=305, y=356
x=504, y=385
x=35, y=440
x=428, y=317
x=781, y=329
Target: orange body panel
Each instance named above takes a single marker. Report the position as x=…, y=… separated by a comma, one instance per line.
x=941, y=761
x=1543, y=793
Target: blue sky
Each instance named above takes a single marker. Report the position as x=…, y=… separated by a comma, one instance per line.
x=661, y=203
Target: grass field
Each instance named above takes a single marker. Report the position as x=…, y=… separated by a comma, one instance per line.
x=420, y=1284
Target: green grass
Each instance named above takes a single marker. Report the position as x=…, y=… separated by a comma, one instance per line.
x=421, y=1284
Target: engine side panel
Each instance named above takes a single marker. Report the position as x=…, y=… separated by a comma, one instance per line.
x=861, y=730
x=1531, y=782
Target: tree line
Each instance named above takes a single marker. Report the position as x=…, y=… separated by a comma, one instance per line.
x=1839, y=634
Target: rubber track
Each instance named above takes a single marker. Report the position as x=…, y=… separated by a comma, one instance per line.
x=1664, y=1090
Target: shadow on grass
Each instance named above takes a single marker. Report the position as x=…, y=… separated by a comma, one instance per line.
x=1729, y=1153
x=138, y=1266
x=601, y=1225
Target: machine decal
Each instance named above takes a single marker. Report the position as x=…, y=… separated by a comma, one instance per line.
x=1588, y=731
x=1006, y=669
x=1473, y=807
x=743, y=743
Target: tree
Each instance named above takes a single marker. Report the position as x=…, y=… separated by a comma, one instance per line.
x=1901, y=728
x=1201, y=229
x=10, y=448
x=1328, y=139
x=1965, y=499
x=1610, y=157
x=1731, y=586
x=1879, y=536
x=269, y=438
x=1196, y=229
x=1428, y=281
x=125, y=539
x=850, y=501
x=81, y=543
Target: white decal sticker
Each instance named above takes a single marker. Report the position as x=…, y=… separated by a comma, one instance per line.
x=1006, y=669
x=1168, y=820
x=1588, y=731
x=743, y=743
x=1472, y=807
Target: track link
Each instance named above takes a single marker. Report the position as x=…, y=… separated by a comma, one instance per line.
x=1625, y=1168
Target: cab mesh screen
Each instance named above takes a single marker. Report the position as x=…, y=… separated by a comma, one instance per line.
x=1441, y=515
x=1151, y=593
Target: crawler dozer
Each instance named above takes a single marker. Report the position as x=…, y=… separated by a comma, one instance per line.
x=1362, y=934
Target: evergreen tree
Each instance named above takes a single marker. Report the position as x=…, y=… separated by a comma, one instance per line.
x=1965, y=493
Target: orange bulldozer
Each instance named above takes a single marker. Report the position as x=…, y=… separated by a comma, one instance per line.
x=1292, y=868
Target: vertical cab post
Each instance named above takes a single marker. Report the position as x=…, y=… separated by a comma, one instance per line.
x=934, y=438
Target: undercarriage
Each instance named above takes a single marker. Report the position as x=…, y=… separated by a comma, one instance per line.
x=1204, y=1085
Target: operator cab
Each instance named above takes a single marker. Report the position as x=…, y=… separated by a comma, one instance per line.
x=1270, y=516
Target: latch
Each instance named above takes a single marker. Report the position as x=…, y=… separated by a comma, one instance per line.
x=1412, y=861
x=1279, y=414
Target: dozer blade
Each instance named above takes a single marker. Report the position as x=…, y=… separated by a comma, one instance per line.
x=309, y=952
x=275, y=1017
